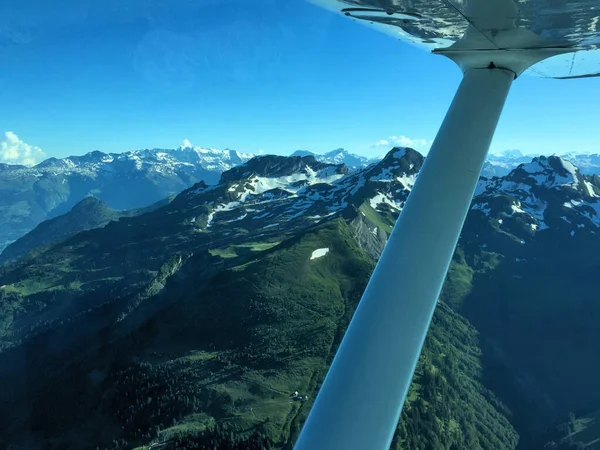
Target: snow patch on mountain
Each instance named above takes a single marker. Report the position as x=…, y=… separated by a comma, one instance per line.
x=319, y=253
x=220, y=208
x=589, y=188
x=589, y=210
x=242, y=217
x=516, y=208
x=257, y=185
x=549, y=172
x=408, y=181
x=381, y=198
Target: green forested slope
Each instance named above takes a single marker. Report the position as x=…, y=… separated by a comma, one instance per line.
x=232, y=348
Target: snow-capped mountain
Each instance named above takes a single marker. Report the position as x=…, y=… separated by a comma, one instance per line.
x=501, y=163
x=212, y=160
x=160, y=161
x=497, y=164
x=340, y=156
x=29, y=195
x=275, y=193
x=589, y=164
x=546, y=193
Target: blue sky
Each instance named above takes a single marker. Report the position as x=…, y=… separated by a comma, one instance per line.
x=271, y=76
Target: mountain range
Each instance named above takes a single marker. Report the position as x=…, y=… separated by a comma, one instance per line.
x=192, y=324
x=340, y=156
x=500, y=164
x=136, y=179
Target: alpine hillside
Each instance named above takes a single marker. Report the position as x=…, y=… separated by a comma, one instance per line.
x=88, y=214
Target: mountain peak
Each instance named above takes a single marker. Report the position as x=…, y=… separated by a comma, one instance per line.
x=406, y=154
x=339, y=156
x=89, y=202
x=96, y=154
x=303, y=153
x=336, y=152
x=547, y=171
x=55, y=163
x=274, y=166
x=541, y=173
x=87, y=214
x=546, y=192
x=400, y=164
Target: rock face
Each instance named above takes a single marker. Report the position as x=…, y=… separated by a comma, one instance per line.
x=371, y=240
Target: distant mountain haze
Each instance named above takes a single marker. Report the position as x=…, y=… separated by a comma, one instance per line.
x=339, y=156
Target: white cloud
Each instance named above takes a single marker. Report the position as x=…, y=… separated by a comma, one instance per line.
x=402, y=141
x=14, y=151
x=186, y=143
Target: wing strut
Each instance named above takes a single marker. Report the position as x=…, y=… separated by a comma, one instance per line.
x=360, y=401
